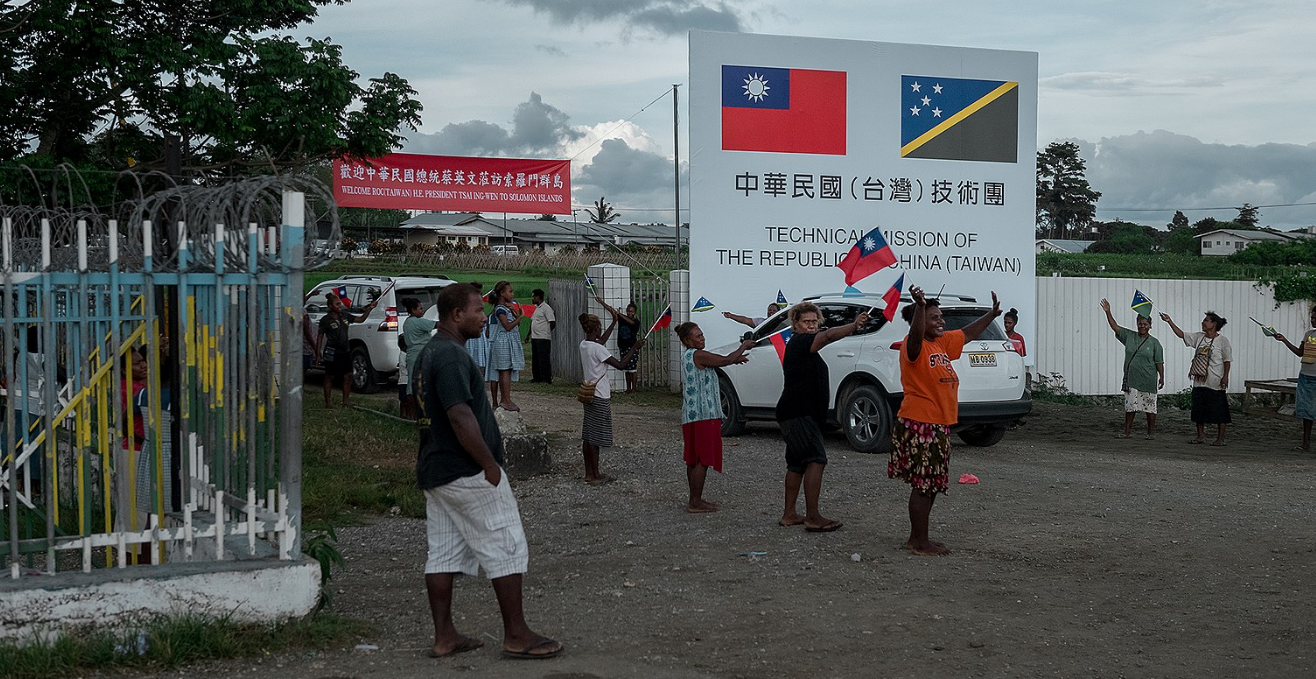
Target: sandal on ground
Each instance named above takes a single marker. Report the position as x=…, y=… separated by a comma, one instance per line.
x=1218, y=443
x=555, y=649
x=825, y=528
x=1197, y=442
x=1124, y=436
x=466, y=644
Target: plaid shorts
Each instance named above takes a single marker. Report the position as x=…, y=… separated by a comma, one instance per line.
x=472, y=525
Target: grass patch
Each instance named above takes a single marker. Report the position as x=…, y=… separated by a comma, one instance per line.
x=166, y=643
x=356, y=463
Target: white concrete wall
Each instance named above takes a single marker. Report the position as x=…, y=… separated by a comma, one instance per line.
x=1075, y=341
x=119, y=599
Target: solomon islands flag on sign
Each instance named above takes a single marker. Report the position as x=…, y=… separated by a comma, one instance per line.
x=959, y=119
x=783, y=110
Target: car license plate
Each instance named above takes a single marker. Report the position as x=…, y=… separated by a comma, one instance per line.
x=982, y=360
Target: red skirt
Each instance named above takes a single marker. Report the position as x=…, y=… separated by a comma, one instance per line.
x=703, y=443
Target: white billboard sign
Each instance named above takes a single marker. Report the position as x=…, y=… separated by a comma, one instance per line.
x=799, y=146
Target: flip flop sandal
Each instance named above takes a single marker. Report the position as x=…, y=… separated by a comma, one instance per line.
x=825, y=528
x=1196, y=442
x=465, y=645
x=528, y=653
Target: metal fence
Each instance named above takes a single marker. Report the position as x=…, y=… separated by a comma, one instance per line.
x=649, y=263
x=151, y=412
x=570, y=299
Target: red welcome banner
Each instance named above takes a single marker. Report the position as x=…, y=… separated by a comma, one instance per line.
x=408, y=181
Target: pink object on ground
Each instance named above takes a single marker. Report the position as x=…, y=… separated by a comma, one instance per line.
x=968, y=478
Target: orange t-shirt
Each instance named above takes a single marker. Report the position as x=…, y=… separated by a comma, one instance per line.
x=931, y=386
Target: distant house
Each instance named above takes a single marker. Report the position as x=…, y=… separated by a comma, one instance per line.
x=1223, y=242
x=452, y=228
x=1071, y=247
x=532, y=234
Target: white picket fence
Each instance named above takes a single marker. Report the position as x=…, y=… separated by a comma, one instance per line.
x=1074, y=340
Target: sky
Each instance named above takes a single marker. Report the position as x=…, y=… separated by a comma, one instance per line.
x=1175, y=104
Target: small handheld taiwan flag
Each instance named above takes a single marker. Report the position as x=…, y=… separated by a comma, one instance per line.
x=892, y=298
x=702, y=305
x=341, y=291
x=664, y=321
x=779, y=342
x=868, y=256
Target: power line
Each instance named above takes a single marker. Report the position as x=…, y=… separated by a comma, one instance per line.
x=618, y=125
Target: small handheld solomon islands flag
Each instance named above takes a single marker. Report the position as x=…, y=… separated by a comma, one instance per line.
x=589, y=286
x=781, y=299
x=702, y=305
x=1141, y=304
x=959, y=119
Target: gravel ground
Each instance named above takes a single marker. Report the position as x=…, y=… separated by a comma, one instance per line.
x=1077, y=556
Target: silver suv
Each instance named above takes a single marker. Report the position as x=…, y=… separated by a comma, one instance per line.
x=375, y=340
x=864, y=372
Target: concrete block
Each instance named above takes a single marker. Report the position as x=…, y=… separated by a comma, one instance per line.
x=525, y=452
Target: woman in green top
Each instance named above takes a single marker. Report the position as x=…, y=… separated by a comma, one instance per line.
x=416, y=330
x=1144, y=371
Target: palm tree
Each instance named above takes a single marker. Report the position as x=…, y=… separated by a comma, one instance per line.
x=602, y=213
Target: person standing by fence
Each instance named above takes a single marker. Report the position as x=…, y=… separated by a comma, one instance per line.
x=627, y=332
x=1144, y=371
x=471, y=516
x=1212, y=358
x=595, y=359
x=506, y=357
x=701, y=411
x=1305, y=396
x=542, y=325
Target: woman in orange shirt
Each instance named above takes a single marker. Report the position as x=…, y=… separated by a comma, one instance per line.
x=920, y=453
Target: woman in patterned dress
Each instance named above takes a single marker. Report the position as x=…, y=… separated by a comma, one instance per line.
x=920, y=452
x=701, y=411
x=506, y=355
x=478, y=347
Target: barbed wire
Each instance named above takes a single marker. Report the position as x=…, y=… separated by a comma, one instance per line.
x=50, y=203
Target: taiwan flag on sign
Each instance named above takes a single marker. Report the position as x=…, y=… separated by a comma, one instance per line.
x=779, y=342
x=959, y=119
x=783, y=110
x=870, y=255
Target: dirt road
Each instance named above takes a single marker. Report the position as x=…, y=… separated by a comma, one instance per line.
x=1078, y=555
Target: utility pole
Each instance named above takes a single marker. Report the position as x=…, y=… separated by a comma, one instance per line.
x=676, y=163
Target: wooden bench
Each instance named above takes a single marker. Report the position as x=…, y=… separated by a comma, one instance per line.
x=1286, y=388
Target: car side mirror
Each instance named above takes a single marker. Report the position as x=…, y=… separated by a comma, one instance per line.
x=747, y=336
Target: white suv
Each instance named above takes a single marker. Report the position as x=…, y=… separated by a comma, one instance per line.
x=375, y=340
x=864, y=374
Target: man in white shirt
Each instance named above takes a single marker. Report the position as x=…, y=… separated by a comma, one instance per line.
x=542, y=324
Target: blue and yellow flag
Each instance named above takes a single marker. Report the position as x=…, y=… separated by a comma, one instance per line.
x=1141, y=304
x=781, y=299
x=589, y=285
x=702, y=305
x=959, y=119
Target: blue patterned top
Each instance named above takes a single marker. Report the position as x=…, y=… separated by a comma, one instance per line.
x=701, y=401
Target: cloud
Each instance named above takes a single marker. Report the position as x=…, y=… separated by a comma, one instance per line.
x=551, y=51
x=631, y=178
x=1165, y=172
x=1109, y=83
x=664, y=17
x=537, y=129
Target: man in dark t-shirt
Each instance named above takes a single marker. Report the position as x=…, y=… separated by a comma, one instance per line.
x=334, y=347
x=802, y=411
x=471, y=518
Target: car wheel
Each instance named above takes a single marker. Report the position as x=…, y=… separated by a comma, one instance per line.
x=733, y=420
x=866, y=419
x=364, y=379
x=983, y=436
